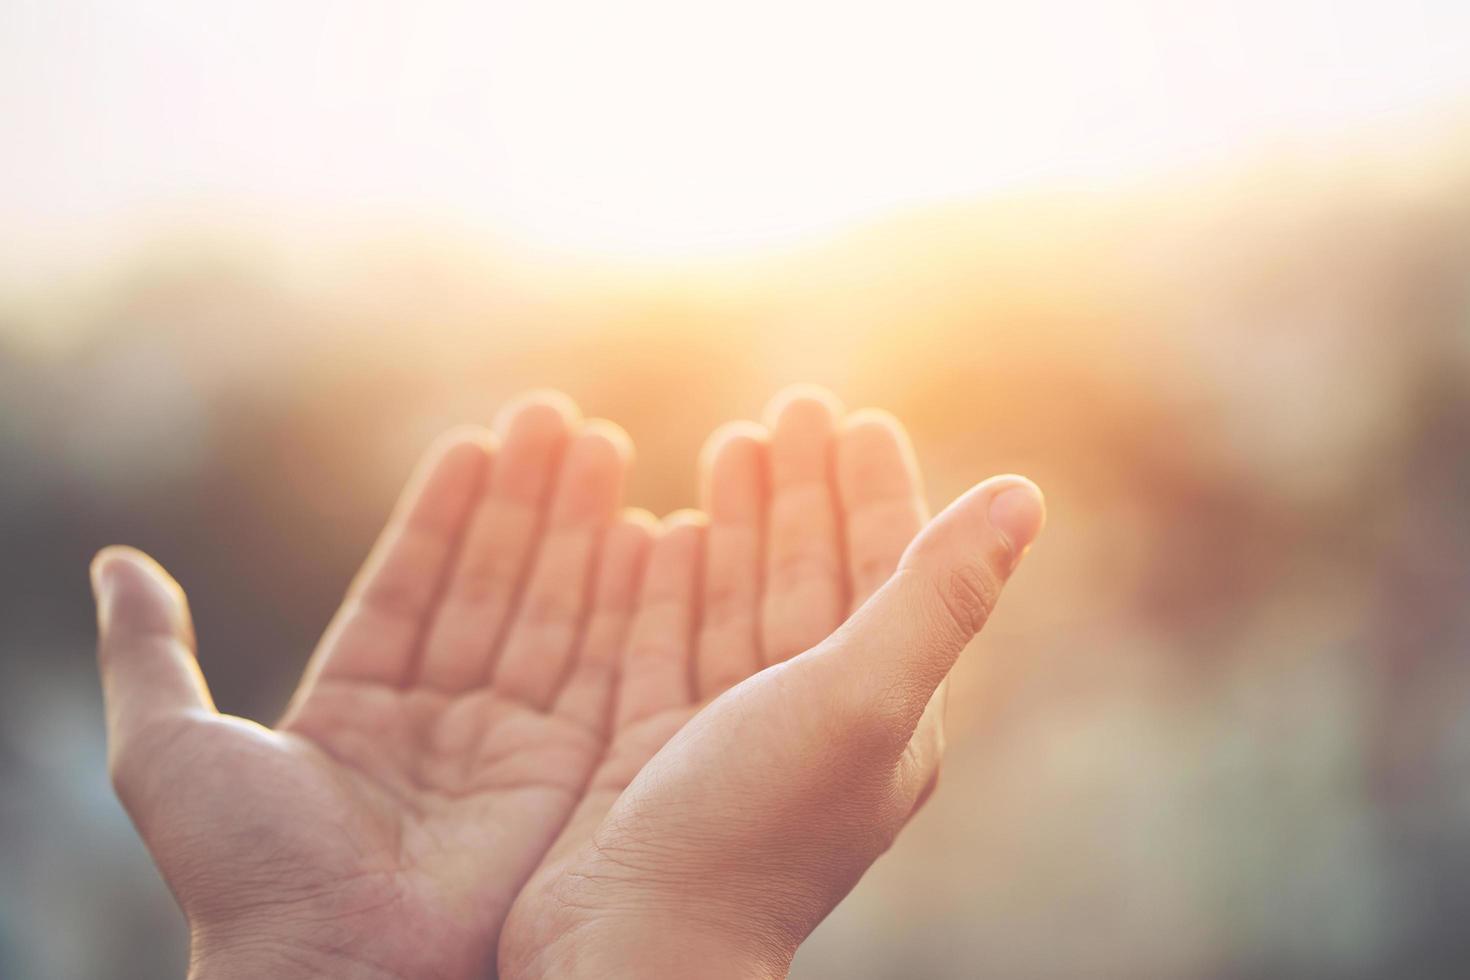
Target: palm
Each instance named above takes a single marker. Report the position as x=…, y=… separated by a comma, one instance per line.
x=445, y=729
x=803, y=524
x=462, y=789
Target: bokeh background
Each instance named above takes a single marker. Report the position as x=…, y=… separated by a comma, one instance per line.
x=1202, y=270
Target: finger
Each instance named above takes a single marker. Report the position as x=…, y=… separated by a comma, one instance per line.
x=480, y=596
x=882, y=498
x=382, y=620
x=903, y=642
x=145, y=646
x=550, y=615
x=587, y=698
x=657, y=664
x=733, y=491
x=805, y=593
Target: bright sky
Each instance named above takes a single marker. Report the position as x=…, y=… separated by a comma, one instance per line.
x=657, y=126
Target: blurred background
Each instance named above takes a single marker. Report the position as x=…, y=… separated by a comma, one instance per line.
x=1201, y=270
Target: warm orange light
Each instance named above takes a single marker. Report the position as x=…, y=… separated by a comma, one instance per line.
x=658, y=127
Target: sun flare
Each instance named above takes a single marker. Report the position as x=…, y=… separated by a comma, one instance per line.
x=663, y=127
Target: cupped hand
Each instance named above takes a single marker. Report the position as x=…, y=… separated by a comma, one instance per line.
x=718, y=855
x=444, y=730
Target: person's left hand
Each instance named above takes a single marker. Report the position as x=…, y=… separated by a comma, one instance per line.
x=718, y=854
x=807, y=515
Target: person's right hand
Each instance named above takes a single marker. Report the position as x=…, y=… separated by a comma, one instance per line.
x=763, y=811
x=440, y=738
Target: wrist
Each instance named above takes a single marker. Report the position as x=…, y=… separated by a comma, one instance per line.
x=243, y=957
x=653, y=949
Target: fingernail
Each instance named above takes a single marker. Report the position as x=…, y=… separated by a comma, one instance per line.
x=1018, y=512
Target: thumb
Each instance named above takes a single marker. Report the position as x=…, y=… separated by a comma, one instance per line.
x=905, y=639
x=145, y=645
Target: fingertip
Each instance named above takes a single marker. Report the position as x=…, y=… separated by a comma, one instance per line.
x=801, y=402
x=121, y=566
x=624, y=552
x=680, y=537
x=733, y=472
x=734, y=448
x=988, y=527
x=740, y=437
x=630, y=535
x=684, y=520
x=595, y=464
x=606, y=437
x=446, y=477
x=135, y=593
x=637, y=519
x=1016, y=509
x=462, y=440
x=536, y=432
x=460, y=453
x=541, y=410
x=804, y=424
x=105, y=558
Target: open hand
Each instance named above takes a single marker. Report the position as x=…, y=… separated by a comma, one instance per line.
x=445, y=729
x=743, y=831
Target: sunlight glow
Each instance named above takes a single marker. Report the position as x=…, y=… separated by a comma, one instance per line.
x=664, y=127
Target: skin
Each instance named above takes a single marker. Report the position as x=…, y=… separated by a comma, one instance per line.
x=503, y=687
x=443, y=732
x=736, y=838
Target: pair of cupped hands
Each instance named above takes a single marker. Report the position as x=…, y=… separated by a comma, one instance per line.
x=546, y=736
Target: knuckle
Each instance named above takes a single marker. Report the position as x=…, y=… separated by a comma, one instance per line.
x=967, y=595
x=552, y=608
x=481, y=577
x=614, y=601
x=797, y=565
